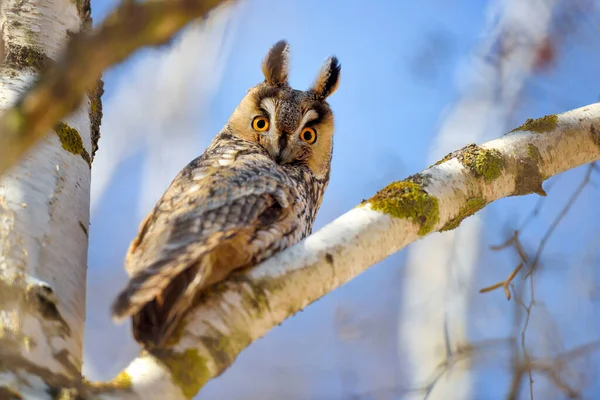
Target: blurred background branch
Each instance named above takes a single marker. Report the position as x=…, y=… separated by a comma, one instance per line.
x=61, y=87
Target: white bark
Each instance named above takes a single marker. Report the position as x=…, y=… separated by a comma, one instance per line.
x=44, y=214
x=248, y=305
x=434, y=309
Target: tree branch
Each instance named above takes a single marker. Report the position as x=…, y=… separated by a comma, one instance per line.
x=247, y=305
x=61, y=87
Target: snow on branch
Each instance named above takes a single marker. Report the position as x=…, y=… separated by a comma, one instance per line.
x=247, y=305
x=61, y=87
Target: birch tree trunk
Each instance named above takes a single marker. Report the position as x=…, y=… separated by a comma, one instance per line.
x=44, y=208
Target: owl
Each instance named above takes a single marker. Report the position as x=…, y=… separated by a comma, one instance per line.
x=254, y=191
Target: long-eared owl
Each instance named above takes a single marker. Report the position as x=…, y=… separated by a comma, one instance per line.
x=255, y=191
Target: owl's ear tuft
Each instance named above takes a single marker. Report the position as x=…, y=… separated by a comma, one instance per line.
x=275, y=66
x=329, y=78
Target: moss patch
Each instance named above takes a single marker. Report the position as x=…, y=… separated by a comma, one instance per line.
x=471, y=207
x=484, y=163
x=189, y=369
x=71, y=141
x=119, y=382
x=447, y=157
x=24, y=57
x=225, y=349
x=595, y=132
x=406, y=199
x=420, y=179
x=95, y=95
x=529, y=178
x=533, y=153
x=540, y=125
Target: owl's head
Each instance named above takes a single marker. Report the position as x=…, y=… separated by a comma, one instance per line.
x=294, y=126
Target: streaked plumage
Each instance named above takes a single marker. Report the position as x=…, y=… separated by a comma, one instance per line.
x=255, y=191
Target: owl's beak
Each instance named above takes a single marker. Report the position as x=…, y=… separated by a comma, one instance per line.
x=280, y=154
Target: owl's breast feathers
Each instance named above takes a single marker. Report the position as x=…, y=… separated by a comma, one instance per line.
x=226, y=210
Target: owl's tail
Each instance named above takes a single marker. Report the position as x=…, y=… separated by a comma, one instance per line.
x=157, y=303
x=154, y=324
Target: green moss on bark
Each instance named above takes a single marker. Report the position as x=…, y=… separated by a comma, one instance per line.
x=540, y=125
x=189, y=369
x=26, y=57
x=71, y=141
x=483, y=163
x=595, y=133
x=529, y=177
x=121, y=382
x=471, y=207
x=95, y=96
x=406, y=199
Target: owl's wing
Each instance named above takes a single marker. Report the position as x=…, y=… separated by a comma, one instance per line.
x=203, y=209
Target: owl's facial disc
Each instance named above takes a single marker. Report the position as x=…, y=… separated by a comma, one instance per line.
x=290, y=131
x=293, y=126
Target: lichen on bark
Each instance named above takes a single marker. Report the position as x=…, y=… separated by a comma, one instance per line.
x=595, y=133
x=483, y=163
x=408, y=199
x=529, y=178
x=540, y=125
x=95, y=95
x=71, y=141
x=188, y=369
x=469, y=208
x=23, y=57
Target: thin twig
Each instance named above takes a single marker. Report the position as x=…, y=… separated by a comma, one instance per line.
x=559, y=218
x=516, y=243
x=553, y=368
x=504, y=284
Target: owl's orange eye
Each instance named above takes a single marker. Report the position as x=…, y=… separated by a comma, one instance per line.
x=260, y=123
x=309, y=135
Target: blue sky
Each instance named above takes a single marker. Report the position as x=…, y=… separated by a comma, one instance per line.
x=404, y=64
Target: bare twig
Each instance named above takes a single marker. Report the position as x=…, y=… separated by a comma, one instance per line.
x=560, y=216
x=515, y=242
x=504, y=284
x=553, y=368
x=61, y=87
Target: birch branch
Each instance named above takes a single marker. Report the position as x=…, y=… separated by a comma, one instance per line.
x=60, y=88
x=246, y=306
